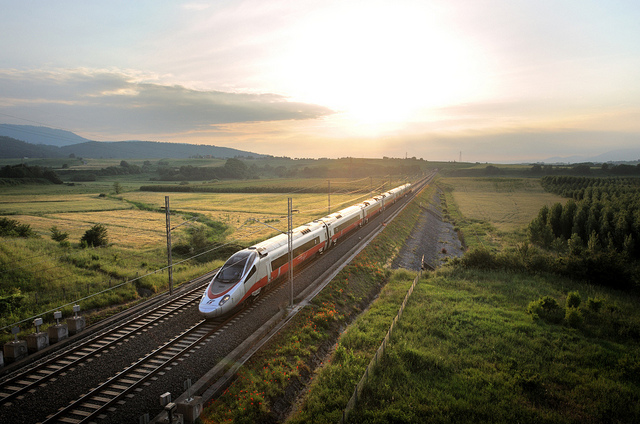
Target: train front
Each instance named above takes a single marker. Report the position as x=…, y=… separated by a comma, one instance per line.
x=226, y=289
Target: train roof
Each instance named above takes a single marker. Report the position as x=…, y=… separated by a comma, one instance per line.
x=275, y=242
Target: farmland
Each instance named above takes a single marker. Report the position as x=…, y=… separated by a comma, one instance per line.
x=40, y=274
x=495, y=211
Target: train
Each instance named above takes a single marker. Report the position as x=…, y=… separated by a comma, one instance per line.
x=249, y=271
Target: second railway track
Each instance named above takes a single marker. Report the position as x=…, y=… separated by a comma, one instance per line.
x=118, y=375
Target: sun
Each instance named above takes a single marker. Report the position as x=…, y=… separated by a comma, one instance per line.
x=380, y=64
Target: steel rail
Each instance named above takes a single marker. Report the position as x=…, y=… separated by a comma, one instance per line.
x=24, y=381
x=115, y=388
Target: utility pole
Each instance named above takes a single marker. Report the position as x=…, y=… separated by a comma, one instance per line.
x=290, y=245
x=166, y=206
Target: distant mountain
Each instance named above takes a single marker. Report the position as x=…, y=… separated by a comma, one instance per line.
x=12, y=148
x=42, y=142
x=41, y=135
x=150, y=150
x=620, y=155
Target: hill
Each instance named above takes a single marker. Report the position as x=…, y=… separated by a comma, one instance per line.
x=41, y=135
x=13, y=148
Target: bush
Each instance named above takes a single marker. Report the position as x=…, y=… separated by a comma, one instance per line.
x=573, y=317
x=573, y=299
x=12, y=228
x=547, y=309
x=58, y=235
x=479, y=258
x=96, y=236
x=594, y=304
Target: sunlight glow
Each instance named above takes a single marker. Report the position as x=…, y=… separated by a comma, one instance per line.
x=381, y=64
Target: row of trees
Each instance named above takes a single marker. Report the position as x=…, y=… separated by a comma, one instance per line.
x=30, y=172
x=604, y=212
x=236, y=169
x=579, y=188
x=96, y=236
x=232, y=169
x=123, y=169
x=601, y=226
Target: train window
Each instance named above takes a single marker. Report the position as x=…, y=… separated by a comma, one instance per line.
x=253, y=271
x=233, y=270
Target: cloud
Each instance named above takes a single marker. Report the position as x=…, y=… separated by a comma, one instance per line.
x=196, y=6
x=135, y=103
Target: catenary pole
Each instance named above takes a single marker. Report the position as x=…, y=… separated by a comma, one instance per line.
x=170, y=268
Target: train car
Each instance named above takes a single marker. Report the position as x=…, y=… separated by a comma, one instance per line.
x=343, y=221
x=247, y=272
x=398, y=192
x=370, y=208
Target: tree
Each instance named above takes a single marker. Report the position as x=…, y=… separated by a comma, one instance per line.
x=555, y=219
x=96, y=236
x=58, y=235
x=12, y=228
x=235, y=168
x=117, y=187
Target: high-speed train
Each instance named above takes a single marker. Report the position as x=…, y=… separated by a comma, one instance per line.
x=245, y=274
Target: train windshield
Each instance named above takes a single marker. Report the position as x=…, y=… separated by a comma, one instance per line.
x=235, y=267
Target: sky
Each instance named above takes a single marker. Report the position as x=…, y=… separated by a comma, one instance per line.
x=481, y=80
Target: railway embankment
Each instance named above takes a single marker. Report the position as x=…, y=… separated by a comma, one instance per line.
x=281, y=376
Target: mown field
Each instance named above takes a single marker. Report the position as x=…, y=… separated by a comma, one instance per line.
x=494, y=211
x=469, y=348
x=39, y=274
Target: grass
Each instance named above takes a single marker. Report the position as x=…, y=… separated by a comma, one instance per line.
x=468, y=351
x=135, y=218
x=39, y=274
x=494, y=211
x=288, y=361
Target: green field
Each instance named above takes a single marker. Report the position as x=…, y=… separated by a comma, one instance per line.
x=40, y=274
x=494, y=211
x=467, y=350
x=469, y=347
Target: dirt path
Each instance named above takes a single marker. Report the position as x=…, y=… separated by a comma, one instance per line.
x=431, y=238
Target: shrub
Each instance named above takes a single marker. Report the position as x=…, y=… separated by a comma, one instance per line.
x=12, y=228
x=573, y=317
x=573, y=299
x=547, y=309
x=479, y=258
x=95, y=236
x=594, y=304
x=58, y=235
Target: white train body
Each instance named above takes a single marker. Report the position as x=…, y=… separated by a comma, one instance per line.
x=247, y=272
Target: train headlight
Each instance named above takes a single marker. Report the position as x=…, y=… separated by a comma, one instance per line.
x=224, y=299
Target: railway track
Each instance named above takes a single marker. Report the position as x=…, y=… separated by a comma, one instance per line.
x=97, y=402
x=163, y=367
x=65, y=361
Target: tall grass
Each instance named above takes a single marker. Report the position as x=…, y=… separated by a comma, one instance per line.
x=288, y=362
x=467, y=350
x=39, y=275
